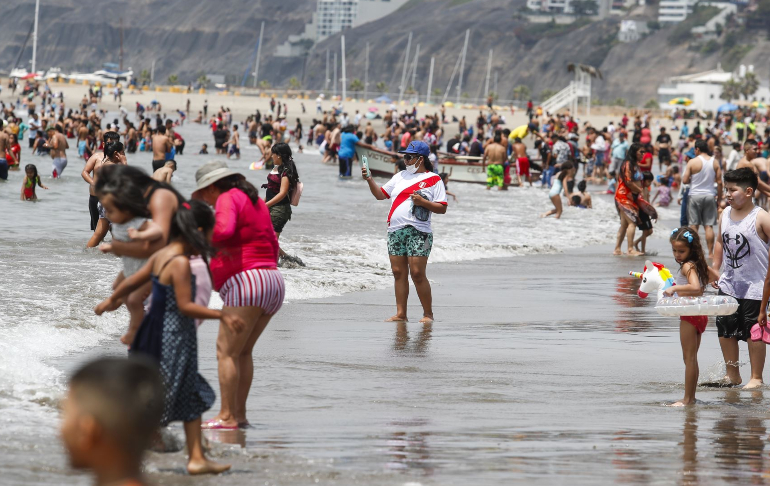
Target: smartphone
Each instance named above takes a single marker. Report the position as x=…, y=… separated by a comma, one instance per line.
x=365, y=163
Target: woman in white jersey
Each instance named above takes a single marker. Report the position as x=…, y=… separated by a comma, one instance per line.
x=415, y=193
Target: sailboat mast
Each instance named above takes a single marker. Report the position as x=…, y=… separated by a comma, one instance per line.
x=34, y=38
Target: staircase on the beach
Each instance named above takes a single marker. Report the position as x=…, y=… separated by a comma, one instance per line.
x=571, y=95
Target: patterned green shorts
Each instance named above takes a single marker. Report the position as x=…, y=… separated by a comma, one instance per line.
x=409, y=241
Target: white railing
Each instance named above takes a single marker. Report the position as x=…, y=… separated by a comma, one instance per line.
x=561, y=99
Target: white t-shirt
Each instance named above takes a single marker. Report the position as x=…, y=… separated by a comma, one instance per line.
x=400, y=189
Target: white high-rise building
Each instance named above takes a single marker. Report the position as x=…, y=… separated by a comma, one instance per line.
x=674, y=11
x=334, y=16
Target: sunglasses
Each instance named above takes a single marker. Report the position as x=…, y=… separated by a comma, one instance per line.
x=411, y=156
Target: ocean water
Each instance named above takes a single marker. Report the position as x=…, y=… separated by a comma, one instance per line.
x=50, y=282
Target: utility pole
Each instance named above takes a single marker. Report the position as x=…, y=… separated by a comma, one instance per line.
x=344, y=77
x=406, y=63
x=335, y=74
x=414, y=69
x=326, y=83
x=152, y=72
x=462, y=66
x=489, y=74
x=121, y=45
x=259, y=53
x=366, y=71
x=430, y=80
x=34, y=38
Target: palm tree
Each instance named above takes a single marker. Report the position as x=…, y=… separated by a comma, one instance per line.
x=294, y=83
x=144, y=77
x=356, y=85
x=381, y=87
x=731, y=90
x=749, y=85
x=173, y=80
x=521, y=92
x=203, y=81
x=264, y=84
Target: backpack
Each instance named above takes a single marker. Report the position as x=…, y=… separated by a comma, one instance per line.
x=296, y=194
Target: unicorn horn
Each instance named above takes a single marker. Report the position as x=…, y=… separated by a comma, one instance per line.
x=635, y=274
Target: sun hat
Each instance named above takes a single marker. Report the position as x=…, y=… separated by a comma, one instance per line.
x=209, y=173
x=418, y=147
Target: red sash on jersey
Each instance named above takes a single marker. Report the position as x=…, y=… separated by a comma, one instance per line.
x=407, y=193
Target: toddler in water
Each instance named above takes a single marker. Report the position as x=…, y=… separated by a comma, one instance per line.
x=664, y=191
x=110, y=416
x=692, y=277
x=31, y=180
x=168, y=333
x=130, y=223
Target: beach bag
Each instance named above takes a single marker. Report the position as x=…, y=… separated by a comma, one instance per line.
x=296, y=194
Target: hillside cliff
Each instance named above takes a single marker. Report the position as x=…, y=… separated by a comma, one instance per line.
x=189, y=37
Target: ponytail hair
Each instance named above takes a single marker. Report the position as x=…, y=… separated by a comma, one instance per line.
x=192, y=222
x=237, y=181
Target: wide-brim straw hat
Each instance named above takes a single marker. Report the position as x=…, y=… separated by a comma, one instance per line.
x=210, y=173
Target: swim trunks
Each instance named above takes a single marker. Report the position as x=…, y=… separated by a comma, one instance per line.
x=3, y=169
x=495, y=175
x=258, y=287
x=702, y=210
x=739, y=325
x=93, y=210
x=280, y=214
x=157, y=164
x=234, y=150
x=763, y=176
x=522, y=166
x=410, y=242
x=699, y=322
x=507, y=173
x=664, y=155
x=59, y=164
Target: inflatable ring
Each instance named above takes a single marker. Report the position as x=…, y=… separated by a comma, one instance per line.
x=657, y=278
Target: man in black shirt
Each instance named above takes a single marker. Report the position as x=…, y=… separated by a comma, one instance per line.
x=663, y=145
x=220, y=138
x=453, y=145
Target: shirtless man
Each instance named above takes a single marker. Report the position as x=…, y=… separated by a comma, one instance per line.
x=758, y=165
x=165, y=173
x=495, y=157
x=161, y=144
x=58, y=145
x=522, y=159
x=89, y=174
x=5, y=143
x=132, y=139
x=253, y=126
x=235, y=144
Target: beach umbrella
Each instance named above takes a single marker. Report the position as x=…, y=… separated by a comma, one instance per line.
x=373, y=109
x=758, y=104
x=680, y=101
x=29, y=76
x=727, y=107
x=383, y=99
x=449, y=104
x=370, y=115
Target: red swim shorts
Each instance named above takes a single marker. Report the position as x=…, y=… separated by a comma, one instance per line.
x=522, y=166
x=699, y=322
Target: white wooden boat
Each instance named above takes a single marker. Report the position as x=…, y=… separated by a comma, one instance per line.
x=463, y=168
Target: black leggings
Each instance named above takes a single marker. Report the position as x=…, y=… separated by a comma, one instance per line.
x=94, y=211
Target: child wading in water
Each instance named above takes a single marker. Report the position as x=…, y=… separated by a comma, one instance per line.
x=167, y=334
x=692, y=277
x=31, y=180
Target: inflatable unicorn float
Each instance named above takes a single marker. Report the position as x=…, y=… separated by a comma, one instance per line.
x=657, y=278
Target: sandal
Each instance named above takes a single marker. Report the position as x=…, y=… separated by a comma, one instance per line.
x=216, y=424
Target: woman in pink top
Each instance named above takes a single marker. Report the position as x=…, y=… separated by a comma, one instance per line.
x=245, y=274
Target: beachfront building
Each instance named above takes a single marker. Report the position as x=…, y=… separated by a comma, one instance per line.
x=674, y=11
x=705, y=89
x=332, y=17
x=632, y=30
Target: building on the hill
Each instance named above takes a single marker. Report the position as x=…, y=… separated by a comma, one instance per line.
x=705, y=89
x=632, y=30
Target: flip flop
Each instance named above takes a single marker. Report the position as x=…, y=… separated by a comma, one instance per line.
x=757, y=332
x=215, y=424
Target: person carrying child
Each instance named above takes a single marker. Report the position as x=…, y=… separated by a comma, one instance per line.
x=31, y=180
x=741, y=255
x=127, y=211
x=692, y=277
x=168, y=333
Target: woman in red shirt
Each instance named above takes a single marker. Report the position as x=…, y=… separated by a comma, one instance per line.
x=245, y=274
